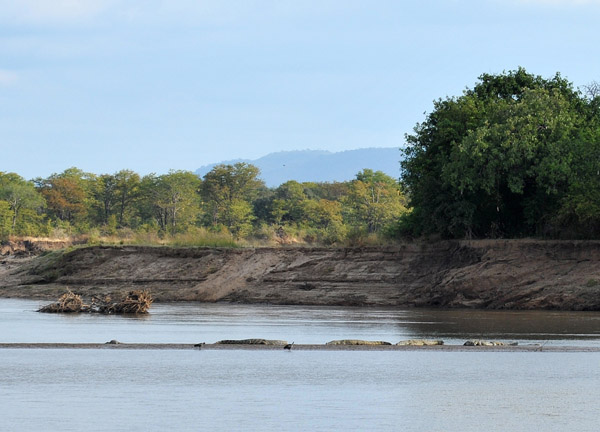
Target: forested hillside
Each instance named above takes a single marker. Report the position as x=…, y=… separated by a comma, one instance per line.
x=319, y=166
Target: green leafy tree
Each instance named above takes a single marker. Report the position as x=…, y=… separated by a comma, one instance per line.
x=68, y=195
x=288, y=203
x=21, y=196
x=325, y=217
x=172, y=199
x=6, y=217
x=374, y=201
x=115, y=195
x=105, y=195
x=334, y=191
x=579, y=213
x=497, y=161
x=224, y=190
x=127, y=190
x=239, y=217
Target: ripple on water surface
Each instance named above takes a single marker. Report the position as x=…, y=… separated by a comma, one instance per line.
x=97, y=390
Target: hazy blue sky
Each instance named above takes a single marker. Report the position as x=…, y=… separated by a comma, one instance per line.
x=157, y=84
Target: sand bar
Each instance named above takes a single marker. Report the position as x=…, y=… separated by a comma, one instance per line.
x=299, y=347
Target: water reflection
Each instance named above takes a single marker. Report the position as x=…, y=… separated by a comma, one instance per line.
x=196, y=322
x=534, y=325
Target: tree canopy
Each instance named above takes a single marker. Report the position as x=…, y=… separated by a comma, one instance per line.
x=508, y=158
x=19, y=205
x=516, y=155
x=230, y=201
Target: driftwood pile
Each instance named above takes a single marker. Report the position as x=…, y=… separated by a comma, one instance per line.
x=67, y=303
x=136, y=302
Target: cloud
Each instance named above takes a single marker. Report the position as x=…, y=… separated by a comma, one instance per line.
x=7, y=77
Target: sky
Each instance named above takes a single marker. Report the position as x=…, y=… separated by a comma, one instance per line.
x=154, y=85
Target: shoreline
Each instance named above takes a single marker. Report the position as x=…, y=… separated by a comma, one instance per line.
x=478, y=274
x=297, y=347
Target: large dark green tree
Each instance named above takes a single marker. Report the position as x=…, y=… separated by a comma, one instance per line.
x=500, y=159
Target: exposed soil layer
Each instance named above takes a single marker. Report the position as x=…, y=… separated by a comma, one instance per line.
x=493, y=274
x=33, y=246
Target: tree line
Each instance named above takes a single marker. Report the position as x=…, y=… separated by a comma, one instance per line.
x=230, y=200
x=517, y=155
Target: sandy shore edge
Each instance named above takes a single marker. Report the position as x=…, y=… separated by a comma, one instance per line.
x=298, y=347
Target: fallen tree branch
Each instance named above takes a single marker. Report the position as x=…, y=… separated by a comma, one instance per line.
x=136, y=302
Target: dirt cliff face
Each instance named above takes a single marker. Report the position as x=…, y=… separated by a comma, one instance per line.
x=502, y=274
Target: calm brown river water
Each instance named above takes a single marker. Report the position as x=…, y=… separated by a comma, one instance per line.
x=121, y=390
x=191, y=323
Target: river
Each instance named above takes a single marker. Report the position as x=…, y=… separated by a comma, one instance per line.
x=97, y=390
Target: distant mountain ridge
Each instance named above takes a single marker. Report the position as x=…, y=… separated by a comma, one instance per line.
x=319, y=165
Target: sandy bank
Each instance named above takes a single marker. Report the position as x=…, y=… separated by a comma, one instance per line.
x=498, y=274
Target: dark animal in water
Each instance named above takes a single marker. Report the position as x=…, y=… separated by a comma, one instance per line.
x=288, y=346
x=200, y=345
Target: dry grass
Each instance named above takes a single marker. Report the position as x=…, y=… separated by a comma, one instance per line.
x=196, y=237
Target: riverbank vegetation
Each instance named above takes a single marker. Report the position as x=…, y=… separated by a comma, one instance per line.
x=517, y=155
x=229, y=206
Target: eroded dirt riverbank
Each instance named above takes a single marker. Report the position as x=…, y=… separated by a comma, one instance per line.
x=498, y=274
